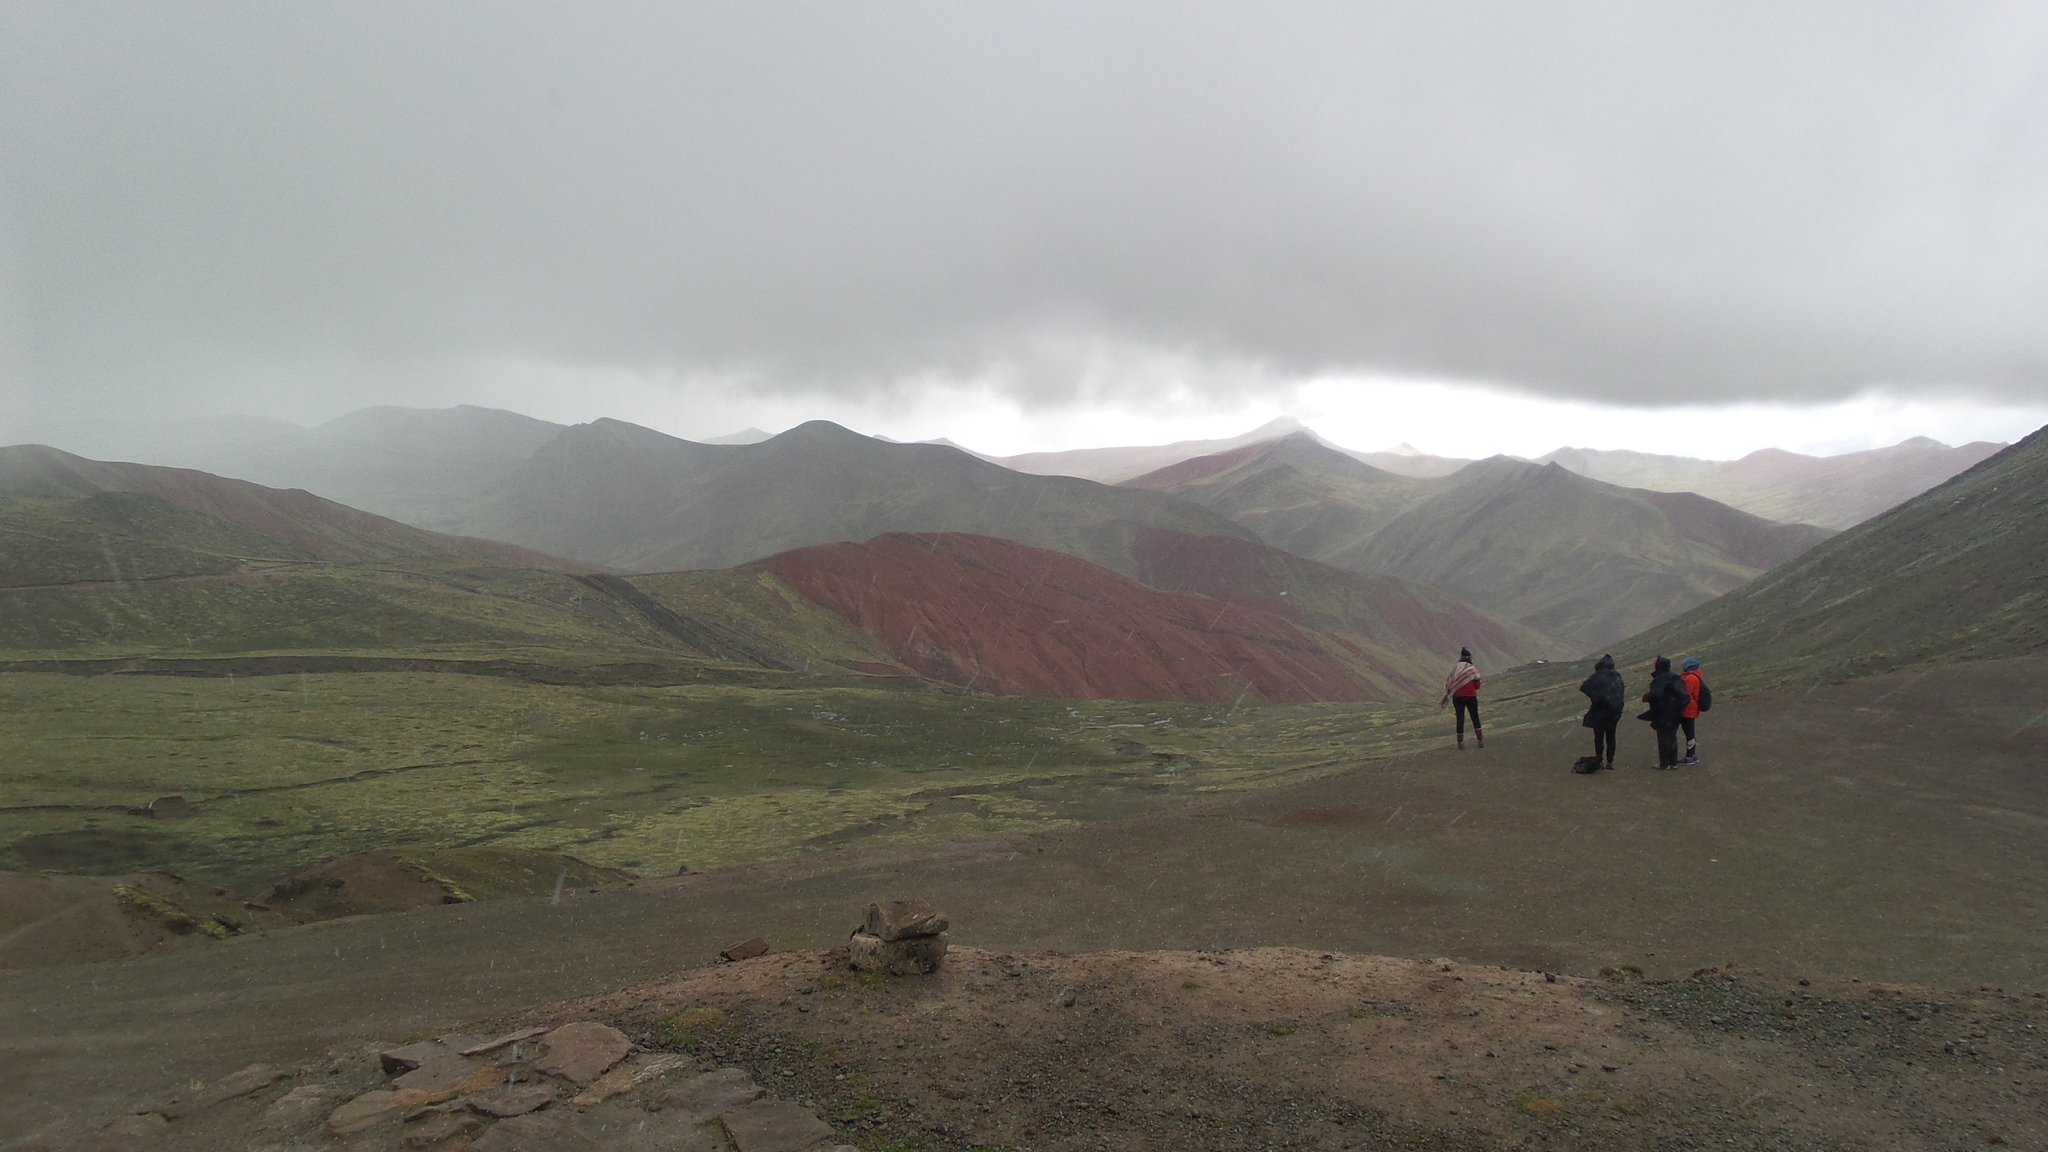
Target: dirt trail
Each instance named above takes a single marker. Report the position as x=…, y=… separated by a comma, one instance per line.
x=1888, y=829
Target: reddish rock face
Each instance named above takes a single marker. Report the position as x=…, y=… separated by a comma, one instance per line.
x=1006, y=618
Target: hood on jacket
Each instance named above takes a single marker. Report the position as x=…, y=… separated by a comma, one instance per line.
x=1465, y=655
x=1604, y=664
x=1663, y=664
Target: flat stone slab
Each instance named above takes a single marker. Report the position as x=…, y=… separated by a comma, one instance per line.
x=513, y=1100
x=437, y=1077
x=442, y=1126
x=373, y=1108
x=502, y=1041
x=534, y=1132
x=904, y=919
x=411, y=1056
x=636, y=1070
x=775, y=1126
x=703, y=1097
x=583, y=1051
x=745, y=949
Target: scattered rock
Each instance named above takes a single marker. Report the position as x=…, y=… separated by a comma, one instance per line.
x=911, y=957
x=626, y=1077
x=708, y=1095
x=745, y=949
x=250, y=1079
x=440, y=1077
x=904, y=919
x=301, y=1106
x=512, y=1100
x=581, y=1052
x=373, y=1108
x=502, y=1041
x=1064, y=998
x=411, y=1056
x=775, y=1126
x=438, y=1127
x=164, y=808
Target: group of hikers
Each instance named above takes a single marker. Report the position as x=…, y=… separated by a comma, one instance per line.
x=1675, y=701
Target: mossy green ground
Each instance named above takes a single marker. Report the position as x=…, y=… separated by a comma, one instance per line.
x=284, y=771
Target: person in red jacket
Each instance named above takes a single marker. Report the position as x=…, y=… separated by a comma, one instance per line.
x=1688, y=719
x=1461, y=688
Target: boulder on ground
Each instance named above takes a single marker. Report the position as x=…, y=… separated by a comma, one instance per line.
x=904, y=919
x=745, y=949
x=911, y=957
x=581, y=1052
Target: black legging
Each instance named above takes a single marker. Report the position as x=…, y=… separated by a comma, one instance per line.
x=1464, y=704
x=1603, y=738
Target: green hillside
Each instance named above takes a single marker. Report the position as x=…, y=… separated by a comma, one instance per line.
x=1957, y=573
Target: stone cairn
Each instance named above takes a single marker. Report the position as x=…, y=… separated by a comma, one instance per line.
x=899, y=937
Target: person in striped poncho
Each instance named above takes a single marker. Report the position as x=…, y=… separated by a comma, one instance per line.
x=1461, y=688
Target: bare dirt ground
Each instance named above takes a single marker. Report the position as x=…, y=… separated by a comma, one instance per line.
x=1887, y=830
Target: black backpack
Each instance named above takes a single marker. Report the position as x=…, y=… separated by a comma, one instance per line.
x=1706, y=700
x=1586, y=765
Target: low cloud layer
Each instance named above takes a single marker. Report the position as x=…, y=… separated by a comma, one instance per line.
x=1620, y=203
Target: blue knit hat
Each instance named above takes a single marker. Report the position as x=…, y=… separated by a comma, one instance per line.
x=1691, y=664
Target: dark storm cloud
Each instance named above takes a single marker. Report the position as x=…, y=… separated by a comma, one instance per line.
x=1621, y=201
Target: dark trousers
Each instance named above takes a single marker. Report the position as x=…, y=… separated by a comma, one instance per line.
x=1603, y=738
x=1692, y=738
x=1667, y=747
x=1464, y=704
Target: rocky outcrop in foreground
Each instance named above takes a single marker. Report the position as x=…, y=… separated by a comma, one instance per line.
x=582, y=1085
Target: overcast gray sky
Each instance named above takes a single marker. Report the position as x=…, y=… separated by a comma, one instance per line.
x=297, y=209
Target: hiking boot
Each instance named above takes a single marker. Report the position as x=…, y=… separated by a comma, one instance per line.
x=1479, y=736
x=1690, y=760
x=1609, y=765
x=1461, y=741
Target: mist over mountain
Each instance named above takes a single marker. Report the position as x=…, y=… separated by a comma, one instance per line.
x=1831, y=491
x=625, y=496
x=289, y=524
x=1569, y=556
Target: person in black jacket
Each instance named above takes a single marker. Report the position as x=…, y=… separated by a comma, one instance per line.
x=1605, y=691
x=1667, y=699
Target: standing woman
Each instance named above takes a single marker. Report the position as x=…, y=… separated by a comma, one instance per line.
x=1604, y=692
x=1461, y=688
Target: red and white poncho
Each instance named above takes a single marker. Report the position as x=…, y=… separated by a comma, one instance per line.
x=1463, y=680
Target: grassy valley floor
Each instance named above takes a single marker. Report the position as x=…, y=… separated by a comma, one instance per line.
x=1884, y=830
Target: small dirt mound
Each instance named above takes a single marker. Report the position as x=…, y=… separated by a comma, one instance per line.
x=54, y=919
x=398, y=880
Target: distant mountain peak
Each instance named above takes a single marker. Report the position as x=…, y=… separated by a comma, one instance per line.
x=746, y=436
x=1275, y=428
x=1404, y=448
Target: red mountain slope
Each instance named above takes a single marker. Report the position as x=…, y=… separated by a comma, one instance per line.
x=1007, y=618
